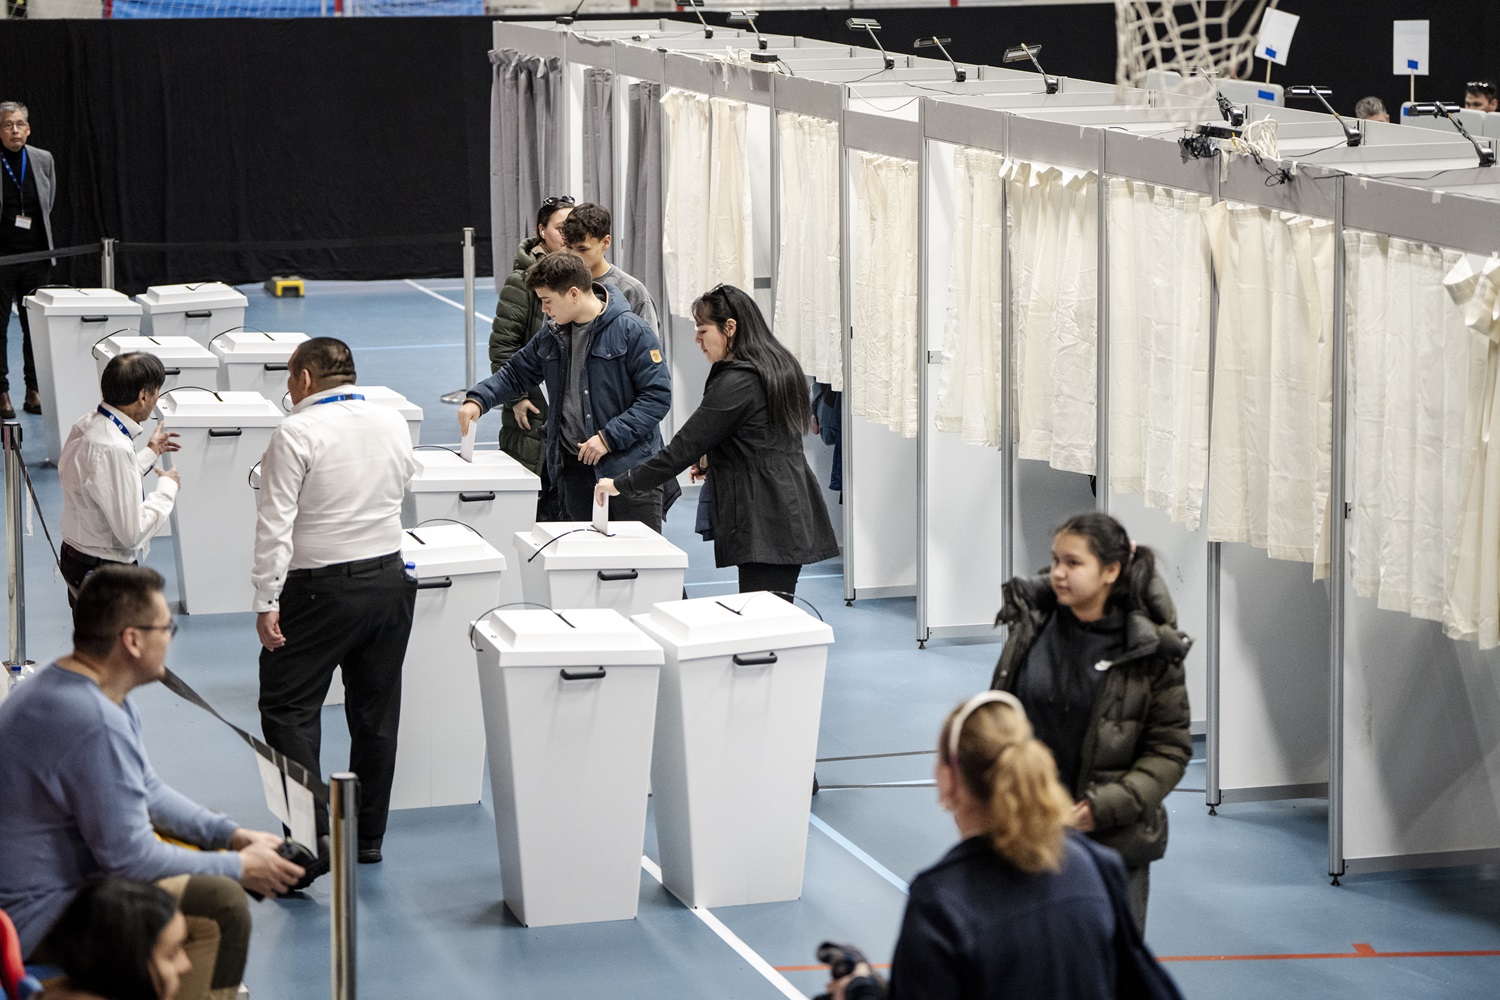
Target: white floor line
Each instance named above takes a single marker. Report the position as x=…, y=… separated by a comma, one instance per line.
x=734, y=941
x=852, y=848
x=443, y=298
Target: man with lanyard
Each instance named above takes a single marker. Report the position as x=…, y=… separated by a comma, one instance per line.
x=107, y=516
x=330, y=588
x=28, y=186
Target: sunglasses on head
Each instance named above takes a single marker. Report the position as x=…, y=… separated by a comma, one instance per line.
x=557, y=200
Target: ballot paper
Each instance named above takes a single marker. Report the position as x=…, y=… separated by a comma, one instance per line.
x=1276, y=30
x=1410, y=48
x=274, y=788
x=466, y=446
x=601, y=516
x=303, y=825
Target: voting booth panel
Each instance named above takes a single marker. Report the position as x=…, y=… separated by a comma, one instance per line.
x=65, y=325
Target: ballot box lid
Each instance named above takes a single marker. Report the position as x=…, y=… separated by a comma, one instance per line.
x=438, y=550
x=83, y=302
x=187, y=298
x=582, y=637
x=255, y=346
x=440, y=470
x=390, y=397
x=573, y=545
x=190, y=406
x=174, y=352
x=734, y=623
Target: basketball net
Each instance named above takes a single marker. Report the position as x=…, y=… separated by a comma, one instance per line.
x=1186, y=38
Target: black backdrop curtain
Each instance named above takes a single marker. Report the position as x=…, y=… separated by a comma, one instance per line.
x=260, y=130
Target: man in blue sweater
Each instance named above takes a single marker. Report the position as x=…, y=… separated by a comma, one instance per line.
x=79, y=798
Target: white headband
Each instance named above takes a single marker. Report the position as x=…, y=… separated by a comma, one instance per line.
x=982, y=698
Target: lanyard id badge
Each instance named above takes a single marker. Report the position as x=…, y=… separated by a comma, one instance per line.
x=23, y=221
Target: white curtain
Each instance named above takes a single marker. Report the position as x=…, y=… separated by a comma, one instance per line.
x=686, y=248
x=1270, y=448
x=1054, y=252
x=809, y=282
x=883, y=350
x=1473, y=609
x=969, y=388
x=731, y=257
x=1417, y=381
x=1160, y=279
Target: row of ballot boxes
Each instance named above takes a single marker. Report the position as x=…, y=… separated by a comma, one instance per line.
x=582, y=710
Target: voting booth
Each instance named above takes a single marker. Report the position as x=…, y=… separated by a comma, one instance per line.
x=252, y=361
x=440, y=755
x=494, y=494
x=223, y=435
x=569, y=698
x=65, y=323
x=200, y=310
x=410, y=412
x=569, y=564
x=736, y=739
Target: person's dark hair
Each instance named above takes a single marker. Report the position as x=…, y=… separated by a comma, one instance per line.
x=1369, y=107
x=327, y=359
x=549, y=208
x=113, y=597
x=1483, y=88
x=786, y=385
x=1110, y=543
x=127, y=374
x=104, y=940
x=559, y=272
x=587, y=220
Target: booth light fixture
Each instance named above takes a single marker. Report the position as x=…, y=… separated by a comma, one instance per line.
x=1022, y=53
x=870, y=25
x=933, y=41
x=1450, y=111
x=697, y=6
x=748, y=17
x=1352, y=135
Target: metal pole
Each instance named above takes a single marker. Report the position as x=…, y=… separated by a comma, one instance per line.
x=924, y=360
x=457, y=397
x=1101, y=333
x=344, y=826
x=1338, y=564
x=107, y=263
x=15, y=509
x=1213, y=718
x=1007, y=390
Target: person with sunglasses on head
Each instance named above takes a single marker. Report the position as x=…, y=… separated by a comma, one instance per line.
x=766, y=510
x=518, y=317
x=81, y=800
x=1480, y=95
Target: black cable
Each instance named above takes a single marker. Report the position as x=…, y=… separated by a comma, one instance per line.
x=436, y=447
x=453, y=520
x=877, y=756
x=565, y=534
x=500, y=607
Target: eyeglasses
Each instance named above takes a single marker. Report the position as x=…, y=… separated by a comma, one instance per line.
x=14, y=126
x=556, y=200
x=170, y=628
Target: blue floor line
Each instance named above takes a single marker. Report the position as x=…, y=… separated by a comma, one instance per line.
x=854, y=849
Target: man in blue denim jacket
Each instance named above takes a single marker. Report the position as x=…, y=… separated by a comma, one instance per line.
x=608, y=385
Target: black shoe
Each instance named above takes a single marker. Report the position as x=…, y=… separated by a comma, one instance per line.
x=369, y=852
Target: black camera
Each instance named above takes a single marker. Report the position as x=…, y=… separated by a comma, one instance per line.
x=842, y=959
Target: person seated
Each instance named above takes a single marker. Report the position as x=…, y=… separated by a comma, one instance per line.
x=1371, y=109
x=81, y=799
x=120, y=940
x=1480, y=95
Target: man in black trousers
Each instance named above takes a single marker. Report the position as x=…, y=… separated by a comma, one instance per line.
x=330, y=587
x=28, y=187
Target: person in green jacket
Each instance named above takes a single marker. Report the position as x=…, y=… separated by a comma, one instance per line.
x=1095, y=656
x=517, y=319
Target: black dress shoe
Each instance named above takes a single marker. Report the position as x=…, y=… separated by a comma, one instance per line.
x=369, y=852
x=33, y=402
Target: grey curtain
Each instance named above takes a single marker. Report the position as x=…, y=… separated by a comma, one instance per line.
x=643, y=191
x=599, y=137
x=524, y=163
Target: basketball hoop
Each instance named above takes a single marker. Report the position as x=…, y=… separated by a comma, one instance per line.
x=1159, y=36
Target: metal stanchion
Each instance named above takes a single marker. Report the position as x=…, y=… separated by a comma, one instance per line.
x=107, y=263
x=15, y=510
x=343, y=854
x=457, y=397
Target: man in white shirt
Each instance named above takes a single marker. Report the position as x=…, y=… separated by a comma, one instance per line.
x=330, y=588
x=107, y=515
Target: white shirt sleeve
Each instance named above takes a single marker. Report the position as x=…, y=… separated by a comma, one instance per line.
x=282, y=470
x=116, y=484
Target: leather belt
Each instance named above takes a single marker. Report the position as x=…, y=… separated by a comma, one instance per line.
x=348, y=568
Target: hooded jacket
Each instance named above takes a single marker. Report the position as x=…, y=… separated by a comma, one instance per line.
x=517, y=319
x=1138, y=741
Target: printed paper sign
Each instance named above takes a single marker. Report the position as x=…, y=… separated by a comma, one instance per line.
x=1410, y=48
x=1276, y=30
x=303, y=825
x=274, y=788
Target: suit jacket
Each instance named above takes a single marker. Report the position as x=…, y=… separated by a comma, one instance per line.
x=41, y=163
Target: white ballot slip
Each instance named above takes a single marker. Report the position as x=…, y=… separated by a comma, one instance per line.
x=303, y=825
x=466, y=446
x=601, y=517
x=274, y=788
x=1410, y=48
x=1276, y=30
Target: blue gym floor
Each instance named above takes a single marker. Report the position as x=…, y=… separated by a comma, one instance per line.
x=1241, y=906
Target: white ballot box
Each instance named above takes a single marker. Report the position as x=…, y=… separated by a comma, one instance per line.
x=568, y=703
x=567, y=564
x=251, y=361
x=494, y=494
x=65, y=324
x=199, y=311
x=410, y=412
x=188, y=363
x=440, y=752
x=223, y=436
x=736, y=740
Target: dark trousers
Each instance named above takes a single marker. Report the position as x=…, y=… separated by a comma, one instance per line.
x=359, y=621
x=16, y=282
x=776, y=578
x=576, y=493
x=75, y=566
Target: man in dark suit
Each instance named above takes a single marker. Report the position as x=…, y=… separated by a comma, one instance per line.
x=28, y=187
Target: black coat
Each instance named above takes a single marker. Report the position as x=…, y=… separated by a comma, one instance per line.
x=766, y=505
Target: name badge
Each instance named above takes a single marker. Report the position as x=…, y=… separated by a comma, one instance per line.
x=23, y=222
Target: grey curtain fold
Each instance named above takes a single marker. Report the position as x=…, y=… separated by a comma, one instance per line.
x=643, y=190
x=599, y=137
x=524, y=163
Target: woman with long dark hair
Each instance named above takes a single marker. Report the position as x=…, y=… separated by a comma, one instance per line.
x=119, y=940
x=766, y=511
x=1095, y=656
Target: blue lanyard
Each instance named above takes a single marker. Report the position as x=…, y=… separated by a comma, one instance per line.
x=20, y=184
x=123, y=429
x=338, y=399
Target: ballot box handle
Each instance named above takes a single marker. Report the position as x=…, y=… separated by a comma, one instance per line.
x=275, y=366
x=172, y=371
x=760, y=660
x=476, y=497
x=225, y=432
x=612, y=575
x=92, y=319
x=200, y=314
x=581, y=675
x=441, y=584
